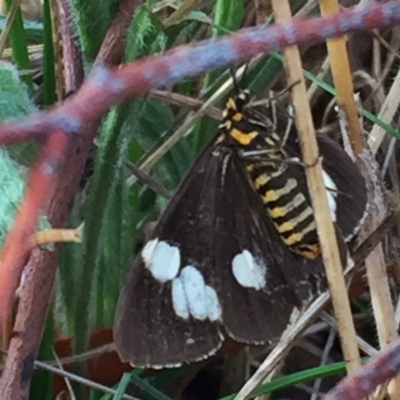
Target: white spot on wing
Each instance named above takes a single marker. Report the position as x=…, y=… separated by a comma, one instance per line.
x=191, y=296
x=179, y=299
x=331, y=191
x=162, y=260
x=248, y=271
x=213, y=307
x=195, y=290
x=148, y=251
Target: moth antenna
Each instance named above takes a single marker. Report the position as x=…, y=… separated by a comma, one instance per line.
x=284, y=91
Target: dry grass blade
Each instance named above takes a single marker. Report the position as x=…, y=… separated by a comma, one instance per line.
x=386, y=113
x=56, y=236
x=340, y=67
x=185, y=102
x=325, y=226
x=179, y=13
x=283, y=346
x=150, y=159
x=375, y=264
x=10, y=19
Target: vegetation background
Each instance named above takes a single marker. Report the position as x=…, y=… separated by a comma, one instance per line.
x=116, y=206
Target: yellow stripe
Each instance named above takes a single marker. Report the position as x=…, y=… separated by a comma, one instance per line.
x=243, y=138
x=297, y=236
x=277, y=212
x=261, y=180
x=292, y=239
x=310, y=227
x=237, y=117
x=264, y=178
x=277, y=173
x=303, y=215
x=294, y=222
x=271, y=195
x=275, y=194
x=286, y=226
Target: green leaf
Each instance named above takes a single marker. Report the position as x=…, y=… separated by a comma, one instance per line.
x=92, y=18
x=14, y=94
x=145, y=35
x=11, y=190
x=19, y=44
x=14, y=103
x=106, y=175
x=149, y=391
x=49, y=73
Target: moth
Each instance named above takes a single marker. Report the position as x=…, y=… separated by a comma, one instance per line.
x=236, y=252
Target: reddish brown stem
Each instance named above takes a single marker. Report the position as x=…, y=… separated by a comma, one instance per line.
x=35, y=296
x=39, y=189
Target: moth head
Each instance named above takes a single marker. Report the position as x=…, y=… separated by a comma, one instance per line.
x=248, y=124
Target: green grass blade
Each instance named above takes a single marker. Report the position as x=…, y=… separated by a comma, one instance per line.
x=42, y=382
x=123, y=384
x=49, y=74
x=298, y=377
x=19, y=45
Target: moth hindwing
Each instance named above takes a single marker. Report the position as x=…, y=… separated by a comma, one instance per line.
x=236, y=252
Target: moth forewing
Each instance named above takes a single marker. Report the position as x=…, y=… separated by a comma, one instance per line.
x=151, y=328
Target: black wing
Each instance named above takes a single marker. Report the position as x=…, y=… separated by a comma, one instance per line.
x=349, y=188
x=147, y=330
x=291, y=281
x=215, y=220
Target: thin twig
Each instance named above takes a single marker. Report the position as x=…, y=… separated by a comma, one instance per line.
x=76, y=378
x=77, y=358
x=106, y=87
x=66, y=380
x=148, y=180
x=363, y=382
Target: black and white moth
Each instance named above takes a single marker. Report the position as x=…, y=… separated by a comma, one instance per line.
x=236, y=252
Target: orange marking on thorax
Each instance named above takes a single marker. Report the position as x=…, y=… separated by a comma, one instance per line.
x=244, y=138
